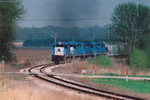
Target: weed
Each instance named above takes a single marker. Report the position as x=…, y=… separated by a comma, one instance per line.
x=101, y=61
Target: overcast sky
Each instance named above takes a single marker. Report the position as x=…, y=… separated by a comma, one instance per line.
x=41, y=13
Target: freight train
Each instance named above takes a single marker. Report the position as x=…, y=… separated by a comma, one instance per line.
x=62, y=51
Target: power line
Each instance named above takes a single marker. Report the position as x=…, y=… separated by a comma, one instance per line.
x=10, y=1
x=70, y=19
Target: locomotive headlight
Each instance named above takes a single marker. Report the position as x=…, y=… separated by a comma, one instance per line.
x=58, y=50
x=59, y=43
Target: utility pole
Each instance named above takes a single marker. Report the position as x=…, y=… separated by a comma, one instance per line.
x=95, y=41
x=3, y=66
x=55, y=36
x=94, y=34
x=73, y=38
x=74, y=32
x=108, y=31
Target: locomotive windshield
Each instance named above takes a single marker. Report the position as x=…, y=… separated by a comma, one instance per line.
x=60, y=45
x=72, y=45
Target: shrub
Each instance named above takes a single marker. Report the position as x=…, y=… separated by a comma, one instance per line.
x=147, y=50
x=27, y=62
x=100, y=60
x=103, y=60
x=138, y=59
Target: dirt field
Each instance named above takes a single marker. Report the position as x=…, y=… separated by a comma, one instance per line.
x=31, y=57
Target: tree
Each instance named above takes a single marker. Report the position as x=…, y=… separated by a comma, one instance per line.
x=10, y=13
x=130, y=24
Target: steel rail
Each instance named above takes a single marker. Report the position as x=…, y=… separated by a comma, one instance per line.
x=88, y=87
x=120, y=96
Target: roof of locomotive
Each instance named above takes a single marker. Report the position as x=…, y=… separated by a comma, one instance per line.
x=59, y=42
x=76, y=43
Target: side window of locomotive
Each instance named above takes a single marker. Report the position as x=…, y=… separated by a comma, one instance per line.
x=71, y=45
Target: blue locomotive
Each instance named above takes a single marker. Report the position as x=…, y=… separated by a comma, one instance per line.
x=62, y=51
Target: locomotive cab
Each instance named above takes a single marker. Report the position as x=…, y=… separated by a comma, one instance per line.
x=72, y=48
x=59, y=49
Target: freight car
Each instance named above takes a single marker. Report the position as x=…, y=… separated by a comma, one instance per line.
x=62, y=51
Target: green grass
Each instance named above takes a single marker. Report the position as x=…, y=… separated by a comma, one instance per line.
x=142, y=87
x=111, y=74
x=101, y=61
x=17, y=65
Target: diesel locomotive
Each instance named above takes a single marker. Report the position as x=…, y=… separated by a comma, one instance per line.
x=62, y=51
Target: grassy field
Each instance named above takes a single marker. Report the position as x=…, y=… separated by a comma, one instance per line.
x=111, y=74
x=142, y=87
x=117, y=69
x=31, y=91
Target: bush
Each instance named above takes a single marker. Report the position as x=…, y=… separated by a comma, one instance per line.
x=138, y=59
x=147, y=50
x=101, y=60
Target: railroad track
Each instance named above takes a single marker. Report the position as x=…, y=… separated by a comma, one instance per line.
x=38, y=72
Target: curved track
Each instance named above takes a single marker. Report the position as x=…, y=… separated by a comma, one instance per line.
x=76, y=86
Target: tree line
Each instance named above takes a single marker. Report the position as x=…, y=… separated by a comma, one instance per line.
x=63, y=33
